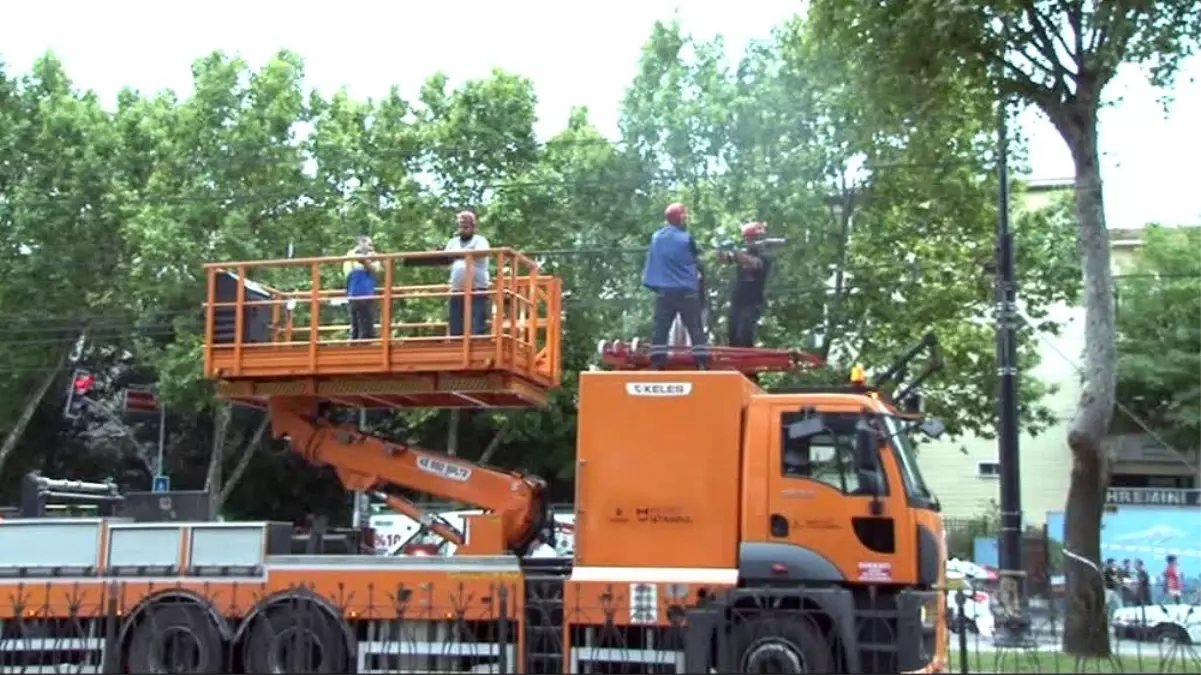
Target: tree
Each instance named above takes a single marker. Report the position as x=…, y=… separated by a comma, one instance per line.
x=1058, y=56
x=251, y=166
x=61, y=251
x=884, y=220
x=1159, y=337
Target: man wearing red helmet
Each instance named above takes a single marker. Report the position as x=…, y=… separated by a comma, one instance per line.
x=673, y=272
x=747, y=293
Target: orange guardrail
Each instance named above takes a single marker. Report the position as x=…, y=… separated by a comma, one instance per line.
x=299, y=325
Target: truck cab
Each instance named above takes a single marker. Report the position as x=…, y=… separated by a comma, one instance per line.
x=817, y=505
x=802, y=514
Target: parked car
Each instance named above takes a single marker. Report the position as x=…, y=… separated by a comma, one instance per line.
x=1180, y=624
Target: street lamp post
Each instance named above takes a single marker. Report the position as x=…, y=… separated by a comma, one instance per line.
x=1013, y=625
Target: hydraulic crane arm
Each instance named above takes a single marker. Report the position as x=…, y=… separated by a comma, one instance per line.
x=367, y=463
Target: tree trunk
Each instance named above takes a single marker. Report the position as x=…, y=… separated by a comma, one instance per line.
x=493, y=445
x=31, y=406
x=212, y=477
x=1086, y=631
x=244, y=461
x=452, y=432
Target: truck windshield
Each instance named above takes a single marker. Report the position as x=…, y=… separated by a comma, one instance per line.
x=915, y=485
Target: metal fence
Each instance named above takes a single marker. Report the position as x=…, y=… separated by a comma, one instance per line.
x=530, y=628
x=1141, y=641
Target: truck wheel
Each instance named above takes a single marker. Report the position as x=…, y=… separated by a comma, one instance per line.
x=1168, y=633
x=176, y=638
x=287, y=639
x=779, y=645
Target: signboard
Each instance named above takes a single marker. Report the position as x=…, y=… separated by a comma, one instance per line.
x=1152, y=497
x=162, y=483
x=658, y=388
x=140, y=401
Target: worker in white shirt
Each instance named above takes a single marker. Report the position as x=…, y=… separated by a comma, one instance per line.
x=469, y=240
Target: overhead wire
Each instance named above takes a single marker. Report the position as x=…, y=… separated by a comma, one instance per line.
x=68, y=326
x=117, y=330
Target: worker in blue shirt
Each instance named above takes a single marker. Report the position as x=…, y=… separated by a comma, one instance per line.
x=360, y=289
x=673, y=272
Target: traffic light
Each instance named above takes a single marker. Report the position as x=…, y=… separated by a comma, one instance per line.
x=82, y=383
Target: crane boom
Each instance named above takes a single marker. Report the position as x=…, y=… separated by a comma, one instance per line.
x=516, y=502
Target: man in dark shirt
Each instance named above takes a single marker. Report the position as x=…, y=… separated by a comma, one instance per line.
x=1142, y=584
x=1111, y=575
x=750, y=279
x=672, y=271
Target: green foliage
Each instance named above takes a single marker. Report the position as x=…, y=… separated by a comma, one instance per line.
x=1159, y=333
x=109, y=216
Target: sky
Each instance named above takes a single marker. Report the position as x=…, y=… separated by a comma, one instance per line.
x=575, y=53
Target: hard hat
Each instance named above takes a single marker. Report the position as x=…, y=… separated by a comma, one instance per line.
x=466, y=214
x=751, y=230
x=676, y=213
x=857, y=375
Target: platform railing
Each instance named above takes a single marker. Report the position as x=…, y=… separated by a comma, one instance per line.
x=255, y=306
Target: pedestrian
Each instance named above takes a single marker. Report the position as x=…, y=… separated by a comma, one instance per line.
x=478, y=303
x=1172, y=582
x=360, y=289
x=750, y=280
x=1142, y=584
x=1111, y=576
x=673, y=271
x=1126, y=577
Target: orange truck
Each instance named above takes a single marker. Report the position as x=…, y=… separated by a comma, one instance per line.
x=719, y=527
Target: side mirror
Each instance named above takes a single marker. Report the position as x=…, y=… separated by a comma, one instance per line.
x=867, y=448
x=932, y=428
x=809, y=426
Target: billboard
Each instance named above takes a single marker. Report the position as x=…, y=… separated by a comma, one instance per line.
x=1149, y=533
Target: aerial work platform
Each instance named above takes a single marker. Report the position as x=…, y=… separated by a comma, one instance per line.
x=636, y=355
x=282, y=328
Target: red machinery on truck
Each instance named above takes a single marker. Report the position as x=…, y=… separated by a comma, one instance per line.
x=719, y=527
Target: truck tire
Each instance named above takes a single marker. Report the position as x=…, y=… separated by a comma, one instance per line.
x=1170, y=633
x=176, y=638
x=769, y=644
x=295, y=638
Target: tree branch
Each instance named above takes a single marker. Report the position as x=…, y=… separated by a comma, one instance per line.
x=1046, y=45
x=31, y=406
x=493, y=445
x=1075, y=12
x=1057, y=36
x=1103, y=22
x=1112, y=38
x=243, y=462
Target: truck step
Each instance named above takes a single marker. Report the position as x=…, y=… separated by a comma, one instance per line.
x=543, y=623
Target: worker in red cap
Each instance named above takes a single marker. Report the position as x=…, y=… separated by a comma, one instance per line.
x=673, y=272
x=750, y=280
x=477, y=305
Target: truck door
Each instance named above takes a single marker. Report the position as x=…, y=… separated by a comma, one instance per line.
x=828, y=521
